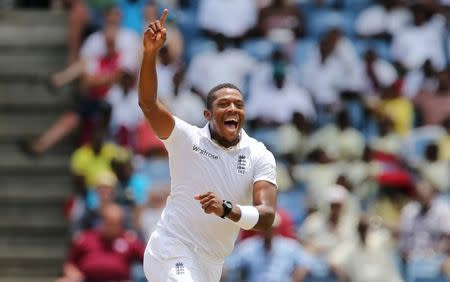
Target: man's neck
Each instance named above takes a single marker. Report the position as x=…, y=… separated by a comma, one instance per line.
x=221, y=141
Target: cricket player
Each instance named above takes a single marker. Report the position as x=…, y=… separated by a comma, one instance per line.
x=221, y=179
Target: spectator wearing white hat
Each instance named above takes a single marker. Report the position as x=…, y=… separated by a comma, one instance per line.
x=379, y=73
x=329, y=235
x=372, y=258
x=231, y=18
x=383, y=19
x=224, y=64
x=421, y=41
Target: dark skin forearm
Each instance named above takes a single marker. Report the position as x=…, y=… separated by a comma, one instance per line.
x=148, y=84
x=157, y=115
x=264, y=200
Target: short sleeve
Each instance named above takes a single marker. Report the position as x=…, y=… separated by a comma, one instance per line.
x=93, y=47
x=265, y=168
x=78, y=161
x=182, y=134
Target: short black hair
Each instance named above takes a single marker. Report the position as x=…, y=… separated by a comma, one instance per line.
x=212, y=93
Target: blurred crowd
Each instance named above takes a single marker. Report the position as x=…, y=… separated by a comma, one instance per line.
x=351, y=96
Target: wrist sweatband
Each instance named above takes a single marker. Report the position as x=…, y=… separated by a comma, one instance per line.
x=249, y=217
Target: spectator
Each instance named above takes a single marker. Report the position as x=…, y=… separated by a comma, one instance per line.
x=387, y=142
x=421, y=80
x=396, y=108
x=333, y=67
x=340, y=140
x=97, y=79
x=91, y=159
x=444, y=142
x=133, y=187
x=434, y=170
x=269, y=257
x=372, y=258
x=127, y=44
x=361, y=174
x=224, y=64
x=125, y=116
x=272, y=83
x=379, y=73
x=423, y=223
x=421, y=41
x=185, y=103
x=294, y=138
x=103, y=254
x=319, y=173
x=167, y=68
x=389, y=204
x=126, y=40
x=352, y=204
x=434, y=105
x=281, y=21
x=383, y=19
x=103, y=194
x=330, y=236
x=232, y=19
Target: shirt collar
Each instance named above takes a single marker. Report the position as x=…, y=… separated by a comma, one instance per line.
x=244, y=142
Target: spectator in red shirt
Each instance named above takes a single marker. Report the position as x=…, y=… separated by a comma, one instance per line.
x=99, y=75
x=104, y=254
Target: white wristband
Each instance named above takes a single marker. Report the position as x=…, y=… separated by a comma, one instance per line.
x=249, y=217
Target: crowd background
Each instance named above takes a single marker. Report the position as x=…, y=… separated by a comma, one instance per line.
x=351, y=96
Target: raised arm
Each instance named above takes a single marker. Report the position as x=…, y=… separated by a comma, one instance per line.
x=157, y=115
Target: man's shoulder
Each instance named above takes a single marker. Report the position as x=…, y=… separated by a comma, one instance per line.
x=256, y=145
x=182, y=132
x=260, y=151
x=185, y=126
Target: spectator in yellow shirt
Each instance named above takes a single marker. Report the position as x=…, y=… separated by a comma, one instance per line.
x=398, y=109
x=91, y=159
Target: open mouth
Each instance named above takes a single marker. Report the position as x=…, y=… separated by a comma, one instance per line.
x=231, y=124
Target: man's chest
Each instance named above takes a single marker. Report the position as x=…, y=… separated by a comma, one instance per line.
x=230, y=172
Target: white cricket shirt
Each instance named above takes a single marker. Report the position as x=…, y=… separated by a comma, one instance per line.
x=198, y=165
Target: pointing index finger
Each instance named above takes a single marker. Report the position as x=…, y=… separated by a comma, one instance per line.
x=163, y=18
